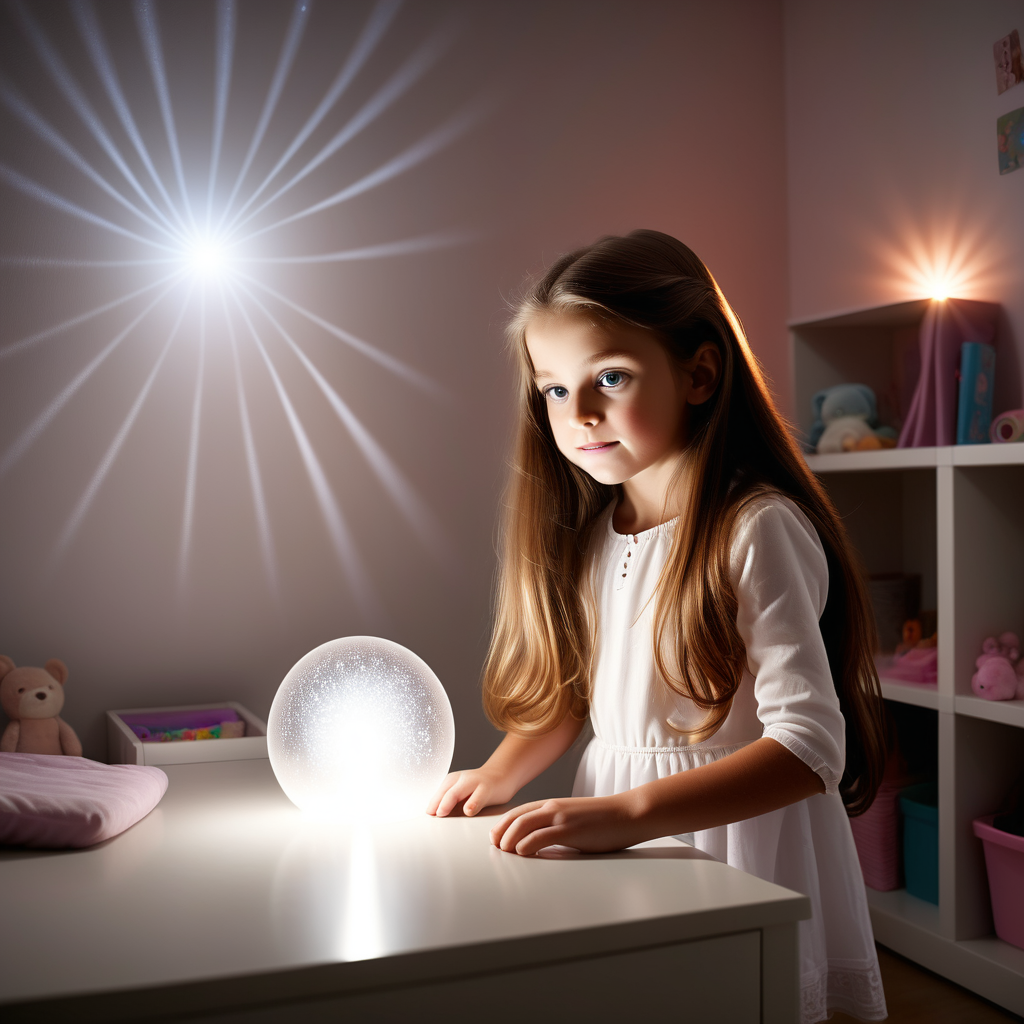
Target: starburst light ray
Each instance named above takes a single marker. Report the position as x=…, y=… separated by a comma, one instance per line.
x=389, y=362
x=72, y=92
x=43, y=420
x=341, y=537
x=66, y=325
x=193, y=452
x=44, y=195
x=149, y=31
x=409, y=503
x=432, y=143
x=23, y=110
x=89, y=29
x=405, y=247
x=377, y=24
x=154, y=209
x=225, y=45
x=411, y=72
x=18, y=346
x=110, y=456
x=297, y=25
x=259, y=500
x=57, y=263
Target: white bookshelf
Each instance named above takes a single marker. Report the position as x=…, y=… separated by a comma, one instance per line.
x=956, y=516
x=909, y=693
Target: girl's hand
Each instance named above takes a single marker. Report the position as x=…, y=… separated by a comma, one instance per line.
x=590, y=824
x=517, y=760
x=479, y=788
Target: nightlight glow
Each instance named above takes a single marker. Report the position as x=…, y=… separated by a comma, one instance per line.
x=361, y=730
x=206, y=256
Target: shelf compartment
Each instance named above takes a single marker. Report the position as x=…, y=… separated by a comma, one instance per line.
x=909, y=926
x=989, y=454
x=909, y=458
x=887, y=458
x=922, y=695
x=988, y=562
x=899, y=906
x=877, y=347
x=890, y=519
x=1006, y=712
x=988, y=759
x=987, y=966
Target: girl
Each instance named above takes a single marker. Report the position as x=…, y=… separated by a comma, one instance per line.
x=672, y=570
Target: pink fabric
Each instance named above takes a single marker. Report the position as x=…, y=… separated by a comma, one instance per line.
x=49, y=801
x=931, y=419
x=918, y=665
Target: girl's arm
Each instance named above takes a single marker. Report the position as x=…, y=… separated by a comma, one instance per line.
x=517, y=760
x=758, y=778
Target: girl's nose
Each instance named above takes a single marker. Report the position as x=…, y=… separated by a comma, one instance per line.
x=584, y=414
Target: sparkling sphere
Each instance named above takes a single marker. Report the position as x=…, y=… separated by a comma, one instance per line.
x=361, y=729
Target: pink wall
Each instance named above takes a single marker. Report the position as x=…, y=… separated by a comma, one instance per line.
x=891, y=145
x=602, y=117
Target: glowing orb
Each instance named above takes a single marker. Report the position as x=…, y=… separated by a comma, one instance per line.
x=206, y=256
x=361, y=729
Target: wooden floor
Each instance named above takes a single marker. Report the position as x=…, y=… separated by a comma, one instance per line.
x=916, y=996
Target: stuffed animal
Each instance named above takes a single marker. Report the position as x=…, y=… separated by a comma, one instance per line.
x=846, y=419
x=32, y=698
x=998, y=677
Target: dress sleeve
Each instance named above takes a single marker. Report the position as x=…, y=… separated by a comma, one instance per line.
x=780, y=578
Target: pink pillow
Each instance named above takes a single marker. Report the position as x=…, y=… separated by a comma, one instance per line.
x=53, y=801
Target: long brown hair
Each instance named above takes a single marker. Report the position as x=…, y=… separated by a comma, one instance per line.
x=738, y=448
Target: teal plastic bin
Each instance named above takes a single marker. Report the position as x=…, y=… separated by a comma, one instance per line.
x=920, y=806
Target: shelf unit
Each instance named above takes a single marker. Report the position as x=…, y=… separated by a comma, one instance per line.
x=956, y=516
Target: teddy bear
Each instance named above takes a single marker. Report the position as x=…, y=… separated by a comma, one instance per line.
x=846, y=419
x=32, y=699
x=997, y=677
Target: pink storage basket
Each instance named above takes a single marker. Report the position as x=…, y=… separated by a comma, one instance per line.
x=876, y=834
x=1004, y=858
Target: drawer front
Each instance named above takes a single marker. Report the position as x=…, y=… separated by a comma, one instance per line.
x=706, y=980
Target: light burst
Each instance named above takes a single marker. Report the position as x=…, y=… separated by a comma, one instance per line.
x=190, y=232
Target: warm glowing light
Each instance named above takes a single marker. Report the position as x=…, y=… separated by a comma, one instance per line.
x=940, y=254
x=361, y=729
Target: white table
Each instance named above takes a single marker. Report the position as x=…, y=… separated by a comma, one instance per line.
x=229, y=901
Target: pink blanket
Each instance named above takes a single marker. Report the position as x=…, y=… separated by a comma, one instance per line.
x=49, y=801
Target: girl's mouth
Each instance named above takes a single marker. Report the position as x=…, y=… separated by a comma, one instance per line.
x=599, y=447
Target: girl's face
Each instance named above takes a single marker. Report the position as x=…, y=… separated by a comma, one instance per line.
x=616, y=401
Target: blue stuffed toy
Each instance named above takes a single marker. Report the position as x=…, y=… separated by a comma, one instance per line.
x=846, y=415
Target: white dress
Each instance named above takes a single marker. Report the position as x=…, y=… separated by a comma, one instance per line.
x=780, y=578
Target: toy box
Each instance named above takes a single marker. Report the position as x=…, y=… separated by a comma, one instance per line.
x=921, y=840
x=876, y=834
x=126, y=746
x=1004, y=859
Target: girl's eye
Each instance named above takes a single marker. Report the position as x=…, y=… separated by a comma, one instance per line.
x=557, y=393
x=611, y=379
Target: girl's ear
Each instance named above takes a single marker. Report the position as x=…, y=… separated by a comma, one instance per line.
x=705, y=369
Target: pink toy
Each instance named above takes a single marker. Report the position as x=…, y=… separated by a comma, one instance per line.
x=1000, y=674
x=32, y=699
